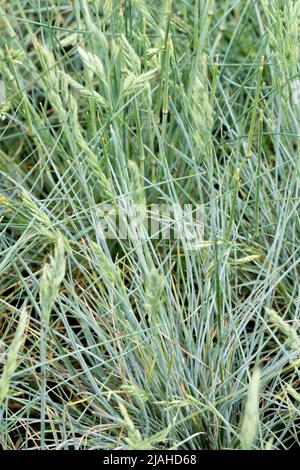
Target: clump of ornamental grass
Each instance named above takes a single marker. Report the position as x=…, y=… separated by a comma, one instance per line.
x=112, y=114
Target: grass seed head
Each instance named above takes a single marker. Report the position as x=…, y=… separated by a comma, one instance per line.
x=52, y=277
x=251, y=413
x=12, y=355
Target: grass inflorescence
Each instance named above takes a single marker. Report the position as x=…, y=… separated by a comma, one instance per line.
x=142, y=340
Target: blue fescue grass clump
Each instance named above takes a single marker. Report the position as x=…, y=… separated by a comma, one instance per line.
x=143, y=341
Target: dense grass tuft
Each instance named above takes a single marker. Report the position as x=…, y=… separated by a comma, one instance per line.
x=144, y=341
